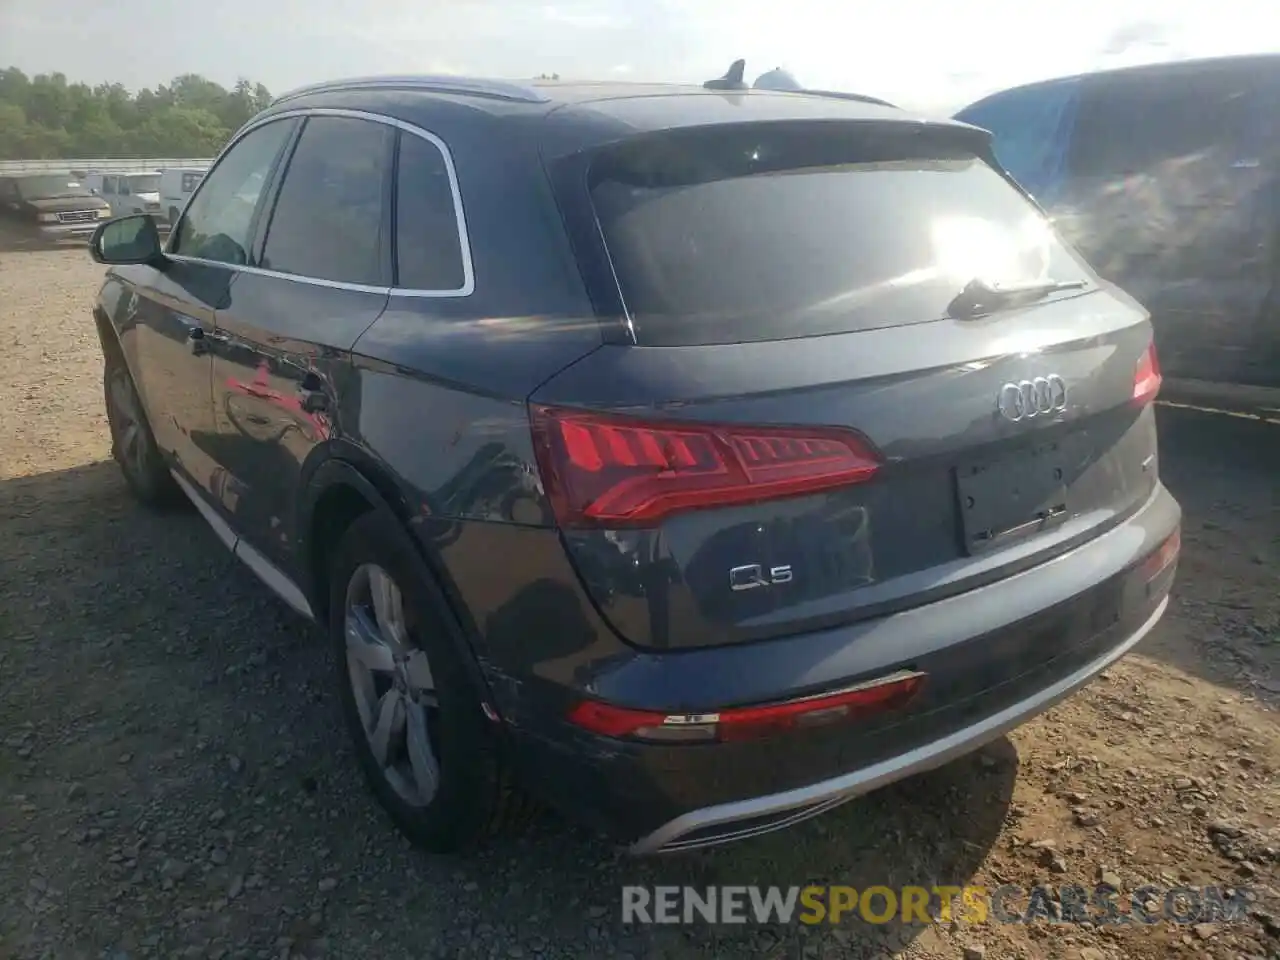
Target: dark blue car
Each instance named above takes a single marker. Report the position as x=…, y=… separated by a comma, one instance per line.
x=1166, y=177
x=694, y=459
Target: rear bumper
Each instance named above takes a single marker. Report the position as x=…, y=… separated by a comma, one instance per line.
x=747, y=818
x=995, y=657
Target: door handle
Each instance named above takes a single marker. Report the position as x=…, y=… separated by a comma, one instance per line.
x=311, y=394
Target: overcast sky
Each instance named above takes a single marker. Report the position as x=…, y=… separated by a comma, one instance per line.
x=927, y=54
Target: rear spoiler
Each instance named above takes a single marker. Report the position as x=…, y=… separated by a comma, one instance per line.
x=840, y=95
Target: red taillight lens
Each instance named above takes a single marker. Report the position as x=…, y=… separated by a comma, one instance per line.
x=1146, y=377
x=750, y=723
x=609, y=471
x=1167, y=553
x=610, y=721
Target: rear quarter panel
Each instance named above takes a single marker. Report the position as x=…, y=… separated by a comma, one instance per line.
x=440, y=384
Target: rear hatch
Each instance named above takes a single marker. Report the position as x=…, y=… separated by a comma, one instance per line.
x=857, y=371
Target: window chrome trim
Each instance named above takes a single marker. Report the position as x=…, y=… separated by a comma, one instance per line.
x=464, y=238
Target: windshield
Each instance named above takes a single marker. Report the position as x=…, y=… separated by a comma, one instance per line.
x=48, y=186
x=144, y=182
x=724, y=237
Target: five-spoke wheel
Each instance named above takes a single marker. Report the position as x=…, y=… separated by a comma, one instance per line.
x=392, y=685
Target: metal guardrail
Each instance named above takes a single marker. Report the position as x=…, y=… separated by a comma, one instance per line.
x=145, y=165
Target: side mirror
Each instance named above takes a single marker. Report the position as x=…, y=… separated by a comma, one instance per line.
x=127, y=240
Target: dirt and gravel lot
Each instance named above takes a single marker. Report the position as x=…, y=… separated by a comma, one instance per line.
x=174, y=782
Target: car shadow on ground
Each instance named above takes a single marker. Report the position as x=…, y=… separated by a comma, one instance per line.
x=195, y=713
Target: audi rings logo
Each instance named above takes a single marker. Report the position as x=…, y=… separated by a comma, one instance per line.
x=1032, y=398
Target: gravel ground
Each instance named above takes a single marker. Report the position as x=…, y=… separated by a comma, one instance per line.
x=174, y=783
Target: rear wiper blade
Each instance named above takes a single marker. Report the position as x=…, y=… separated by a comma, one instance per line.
x=979, y=296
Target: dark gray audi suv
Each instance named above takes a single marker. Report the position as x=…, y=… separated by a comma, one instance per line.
x=695, y=459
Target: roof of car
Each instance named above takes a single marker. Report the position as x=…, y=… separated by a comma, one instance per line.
x=584, y=114
x=541, y=90
x=545, y=96
x=1240, y=61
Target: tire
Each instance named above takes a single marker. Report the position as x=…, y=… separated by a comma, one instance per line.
x=470, y=795
x=133, y=446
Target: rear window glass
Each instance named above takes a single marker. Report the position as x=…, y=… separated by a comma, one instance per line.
x=758, y=233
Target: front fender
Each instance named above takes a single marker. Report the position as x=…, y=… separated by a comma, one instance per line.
x=112, y=320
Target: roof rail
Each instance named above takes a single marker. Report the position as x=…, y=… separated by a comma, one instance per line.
x=474, y=86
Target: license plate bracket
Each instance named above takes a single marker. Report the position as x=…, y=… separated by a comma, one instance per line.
x=1006, y=499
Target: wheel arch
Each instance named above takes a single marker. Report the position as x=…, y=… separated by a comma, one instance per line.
x=107, y=334
x=337, y=490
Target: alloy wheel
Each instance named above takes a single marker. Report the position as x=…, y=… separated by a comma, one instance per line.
x=392, y=685
x=127, y=424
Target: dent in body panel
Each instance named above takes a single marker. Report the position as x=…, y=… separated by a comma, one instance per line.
x=282, y=388
x=530, y=624
x=463, y=455
x=443, y=383
x=443, y=379
x=441, y=414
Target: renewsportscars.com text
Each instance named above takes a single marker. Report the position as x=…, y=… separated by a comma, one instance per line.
x=1066, y=903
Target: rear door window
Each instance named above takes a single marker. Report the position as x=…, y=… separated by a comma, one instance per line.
x=331, y=219
x=773, y=231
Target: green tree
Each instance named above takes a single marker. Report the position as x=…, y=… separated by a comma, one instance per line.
x=45, y=117
x=180, y=132
x=13, y=126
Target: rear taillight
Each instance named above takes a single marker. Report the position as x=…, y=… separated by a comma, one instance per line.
x=750, y=723
x=1146, y=376
x=603, y=470
x=1163, y=557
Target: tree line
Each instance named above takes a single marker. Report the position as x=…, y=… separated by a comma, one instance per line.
x=45, y=117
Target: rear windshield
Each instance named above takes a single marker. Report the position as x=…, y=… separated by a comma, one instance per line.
x=762, y=233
